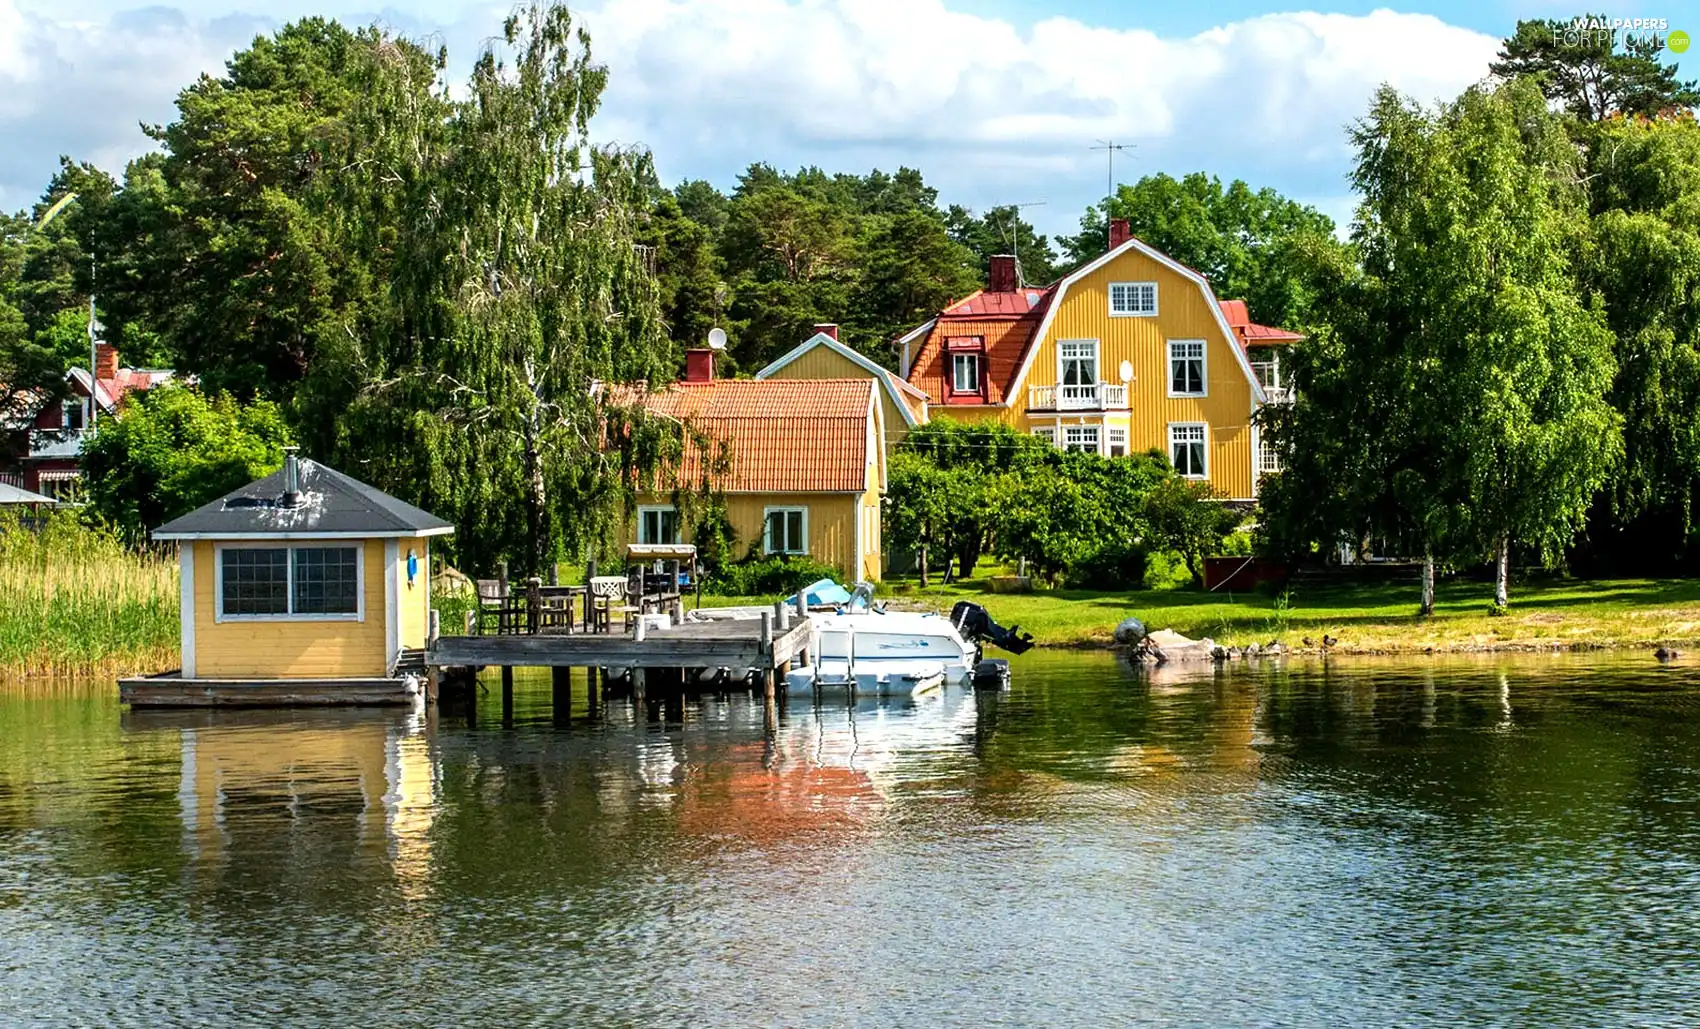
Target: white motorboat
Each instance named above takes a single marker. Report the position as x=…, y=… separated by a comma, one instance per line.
x=870, y=649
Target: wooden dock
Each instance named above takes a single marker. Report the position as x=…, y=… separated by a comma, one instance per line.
x=715, y=644
x=172, y=690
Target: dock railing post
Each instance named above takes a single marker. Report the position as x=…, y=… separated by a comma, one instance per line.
x=802, y=605
x=436, y=629
x=639, y=628
x=782, y=616
x=533, y=605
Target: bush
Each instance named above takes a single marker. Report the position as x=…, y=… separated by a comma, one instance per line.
x=767, y=576
x=1114, y=566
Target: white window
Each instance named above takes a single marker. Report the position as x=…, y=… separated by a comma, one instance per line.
x=1081, y=437
x=1047, y=434
x=1133, y=299
x=1268, y=456
x=1117, y=441
x=1186, y=368
x=965, y=373
x=787, y=530
x=1187, y=450
x=290, y=582
x=1077, y=361
x=658, y=524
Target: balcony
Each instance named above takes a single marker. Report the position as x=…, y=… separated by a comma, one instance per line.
x=1095, y=397
x=1277, y=394
x=56, y=443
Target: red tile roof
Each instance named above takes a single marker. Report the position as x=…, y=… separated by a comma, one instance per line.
x=783, y=435
x=1249, y=332
x=1006, y=322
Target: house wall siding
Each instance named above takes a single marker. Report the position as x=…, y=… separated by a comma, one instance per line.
x=832, y=523
x=289, y=649
x=1183, y=312
x=413, y=604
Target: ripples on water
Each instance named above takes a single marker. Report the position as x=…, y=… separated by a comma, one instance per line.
x=1451, y=842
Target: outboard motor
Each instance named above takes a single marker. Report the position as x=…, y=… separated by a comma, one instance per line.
x=976, y=625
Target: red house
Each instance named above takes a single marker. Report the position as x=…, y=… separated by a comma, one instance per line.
x=51, y=464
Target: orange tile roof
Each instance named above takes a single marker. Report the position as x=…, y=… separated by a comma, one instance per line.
x=783, y=435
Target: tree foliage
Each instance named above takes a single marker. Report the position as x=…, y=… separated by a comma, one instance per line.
x=1579, y=63
x=175, y=449
x=1457, y=400
x=518, y=285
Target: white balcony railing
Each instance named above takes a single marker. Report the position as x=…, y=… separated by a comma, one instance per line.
x=1095, y=397
x=1278, y=394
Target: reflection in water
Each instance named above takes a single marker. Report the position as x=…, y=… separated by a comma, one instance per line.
x=1433, y=843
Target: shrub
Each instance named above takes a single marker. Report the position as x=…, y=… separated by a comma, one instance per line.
x=1114, y=566
x=767, y=576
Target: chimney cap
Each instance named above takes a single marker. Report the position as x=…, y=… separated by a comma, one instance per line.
x=830, y=328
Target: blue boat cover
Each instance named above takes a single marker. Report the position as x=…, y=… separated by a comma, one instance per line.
x=824, y=593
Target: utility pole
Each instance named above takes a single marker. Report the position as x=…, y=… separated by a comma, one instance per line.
x=1109, y=146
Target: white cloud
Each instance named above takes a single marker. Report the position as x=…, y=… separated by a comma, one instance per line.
x=992, y=111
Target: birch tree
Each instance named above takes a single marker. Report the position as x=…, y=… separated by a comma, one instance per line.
x=515, y=288
x=1470, y=215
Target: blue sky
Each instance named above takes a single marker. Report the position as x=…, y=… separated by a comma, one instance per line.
x=995, y=101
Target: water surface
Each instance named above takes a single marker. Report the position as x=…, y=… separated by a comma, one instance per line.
x=1487, y=842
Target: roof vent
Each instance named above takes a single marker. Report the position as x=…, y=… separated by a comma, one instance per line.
x=291, y=479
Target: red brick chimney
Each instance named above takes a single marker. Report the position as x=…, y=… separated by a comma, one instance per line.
x=1119, y=232
x=105, y=361
x=830, y=328
x=699, y=365
x=1001, y=278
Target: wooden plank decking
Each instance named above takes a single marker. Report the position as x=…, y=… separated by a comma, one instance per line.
x=172, y=690
x=725, y=643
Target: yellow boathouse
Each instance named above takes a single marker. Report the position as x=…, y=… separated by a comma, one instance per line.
x=306, y=586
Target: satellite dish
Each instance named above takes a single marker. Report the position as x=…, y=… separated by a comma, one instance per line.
x=1127, y=371
x=717, y=338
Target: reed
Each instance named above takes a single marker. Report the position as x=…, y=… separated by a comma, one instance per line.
x=76, y=602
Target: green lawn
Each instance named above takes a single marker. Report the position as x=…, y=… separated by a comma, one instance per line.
x=1365, y=619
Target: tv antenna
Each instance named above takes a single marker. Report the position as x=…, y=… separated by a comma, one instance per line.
x=1109, y=146
x=1015, y=236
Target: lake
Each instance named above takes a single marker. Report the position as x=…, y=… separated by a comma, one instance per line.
x=1501, y=841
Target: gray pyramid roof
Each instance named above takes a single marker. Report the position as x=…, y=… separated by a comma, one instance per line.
x=332, y=505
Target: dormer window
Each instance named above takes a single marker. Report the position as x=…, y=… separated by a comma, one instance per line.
x=70, y=414
x=1133, y=299
x=965, y=369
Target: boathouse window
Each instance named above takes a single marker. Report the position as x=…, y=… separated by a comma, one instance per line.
x=658, y=524
x=1133, y=299
x=1186, y=368
x=1187, y=450
x=289, y=582
x=787, y=530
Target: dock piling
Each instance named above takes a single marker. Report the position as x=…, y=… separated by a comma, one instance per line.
x=507, y=696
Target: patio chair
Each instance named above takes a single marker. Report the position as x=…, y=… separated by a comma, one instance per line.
x=609, y=596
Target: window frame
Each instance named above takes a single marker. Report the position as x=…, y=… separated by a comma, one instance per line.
x=767, y=514
x=290, y=547
x=648, y=509
x=1204, y=429
x=965, y=346
x=1203, y=367
x=1110, y=299
x=956, y=387
x=1048, y=433
x=1111, y=442
x=1097, y=445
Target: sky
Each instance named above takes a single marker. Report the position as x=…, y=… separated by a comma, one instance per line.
x=995, y=101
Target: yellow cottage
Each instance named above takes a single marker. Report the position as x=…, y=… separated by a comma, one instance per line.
x=823, y=356
x=305, y=586
x=804, y=469
x=1130, y=352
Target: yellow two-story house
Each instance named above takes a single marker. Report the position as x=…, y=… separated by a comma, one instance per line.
x=1129, y=353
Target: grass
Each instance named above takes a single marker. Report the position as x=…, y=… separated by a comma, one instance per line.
x=76, y=602
x=1370, y=619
